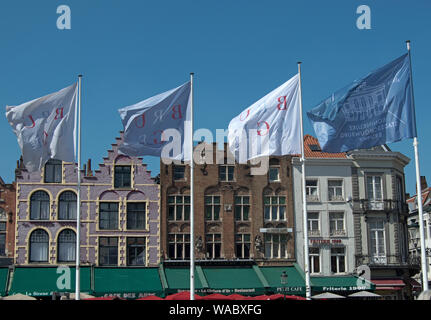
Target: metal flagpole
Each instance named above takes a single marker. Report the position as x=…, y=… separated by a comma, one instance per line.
x=78, y=199
x=192, y=233
x=304, y=198
x=419, y=189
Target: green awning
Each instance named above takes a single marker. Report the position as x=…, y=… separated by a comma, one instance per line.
x=340, y=284
x=242, y=280
x=178, y=279
x=43, y=281
x=295, y=280
x=127, y=282
x=3, y=280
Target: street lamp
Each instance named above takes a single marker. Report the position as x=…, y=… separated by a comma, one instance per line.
x=283, y=280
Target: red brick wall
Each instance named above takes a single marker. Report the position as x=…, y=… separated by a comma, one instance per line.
x=7, y=203
x=206, y=181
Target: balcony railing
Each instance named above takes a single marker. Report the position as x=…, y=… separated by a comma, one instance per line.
x=338, y=233
x=314, y=233
x=384, y=205
x=388, y=260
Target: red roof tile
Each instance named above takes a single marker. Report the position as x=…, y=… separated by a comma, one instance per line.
x=310, y=140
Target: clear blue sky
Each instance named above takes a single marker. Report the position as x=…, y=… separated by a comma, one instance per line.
x=239, y=50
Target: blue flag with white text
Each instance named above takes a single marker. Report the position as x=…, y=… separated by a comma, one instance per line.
x=371, y=111
x=152, y=124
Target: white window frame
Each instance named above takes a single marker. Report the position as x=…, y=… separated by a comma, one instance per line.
x=374, y=202
x=311, y=261
x=277, y=205
x=336, y=198
x=377, y=257
x=278, y=173
x=225, y=178
x=311, y=197
x=311, y=231
x=337, y=257
x=337, y=232
x=269, y=243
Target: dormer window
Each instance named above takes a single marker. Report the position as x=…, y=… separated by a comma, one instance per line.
x=53, y=172
x=122, y=177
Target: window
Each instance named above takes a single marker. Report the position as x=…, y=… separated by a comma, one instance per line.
x=226, y=173
x=53, y=171
x=242, y=208
x=179, y=246
x=136, y=251
x=338, y=260
x=39, y=206
x=108, y=251
x=275, y=245
x=242, y=244
x=212, y=208
x=314, y=255
x=66, y=246
x=377, y=241
x=122, y=177
x=179, y=208
x=3, y=222
x=39, y=241
x=179, y=172
x=213, y=245
x=335, y=190
x=2, y=244
x=108, y=216
x=311, y=190
x=374, y=188
x=274, y=174
x=67, y=206
x=313, y=223
x=136, y=216
x=275, y=208
x=336, y=224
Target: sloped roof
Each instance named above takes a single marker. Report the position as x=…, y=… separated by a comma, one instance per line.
x=309, y=153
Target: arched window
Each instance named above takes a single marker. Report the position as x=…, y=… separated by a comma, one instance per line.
x=66, y=246
x=39, y=206
x=67, y=206
x=39, y=241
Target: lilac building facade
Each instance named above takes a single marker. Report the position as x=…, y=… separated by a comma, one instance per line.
x=120, y=222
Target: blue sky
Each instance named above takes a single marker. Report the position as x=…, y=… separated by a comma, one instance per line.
x=239, y=50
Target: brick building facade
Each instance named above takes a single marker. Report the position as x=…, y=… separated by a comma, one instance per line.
x=119, y=213
x=7, y=222
x=237, y=216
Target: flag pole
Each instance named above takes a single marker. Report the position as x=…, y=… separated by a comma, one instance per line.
x=304, y=198
x=192, y=233
x=419, y=189
x=78, y=199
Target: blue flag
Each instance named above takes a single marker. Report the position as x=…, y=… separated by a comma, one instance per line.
x=145, y=124
x=372, y=111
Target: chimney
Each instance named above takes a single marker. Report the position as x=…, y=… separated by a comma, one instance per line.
x=423, y=183
x=89, y=172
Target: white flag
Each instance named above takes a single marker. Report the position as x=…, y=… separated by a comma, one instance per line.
x=149, y=124
x=270, y=126
x=45, y=127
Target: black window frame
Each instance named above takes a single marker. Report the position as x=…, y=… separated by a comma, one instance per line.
x=134, y=247
x=111, y=249
x=54, y=168
x=69, y=203
x=122, y=177
x=111, y=212
x=134, y=222
x=36, y=199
